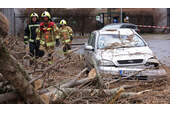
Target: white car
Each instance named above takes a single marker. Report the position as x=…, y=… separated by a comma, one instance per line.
x=121, y=25
x=118, y=51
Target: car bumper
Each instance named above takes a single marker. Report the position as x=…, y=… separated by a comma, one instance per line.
x=129, y=70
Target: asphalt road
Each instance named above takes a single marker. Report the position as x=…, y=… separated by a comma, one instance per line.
x=160, y=45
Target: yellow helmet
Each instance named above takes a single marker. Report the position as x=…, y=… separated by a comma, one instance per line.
x=34, y=14
x=63, y=22
x=46, y=14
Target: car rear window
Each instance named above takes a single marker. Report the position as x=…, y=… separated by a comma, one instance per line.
x=129, y=26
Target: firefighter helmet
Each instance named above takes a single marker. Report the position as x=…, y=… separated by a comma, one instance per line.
x=46, y=14
x=63, y=22
x=34, y=14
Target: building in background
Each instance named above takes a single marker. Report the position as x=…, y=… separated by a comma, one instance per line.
x=87, y=20
x=139, y=16
x=19, y=21
x=15, y=18
x=10, y=15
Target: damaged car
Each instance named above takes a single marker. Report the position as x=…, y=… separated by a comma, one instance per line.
x=121, y=25
x=119, y=52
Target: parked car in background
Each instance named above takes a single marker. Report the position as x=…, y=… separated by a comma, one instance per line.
x=121, y=25
x=118, y=51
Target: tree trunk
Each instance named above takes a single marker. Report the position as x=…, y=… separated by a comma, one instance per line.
x=100, y=80
x=4, y=25
x=8, y=96
x=57, y=94
x=16, y=75
x=69, y=84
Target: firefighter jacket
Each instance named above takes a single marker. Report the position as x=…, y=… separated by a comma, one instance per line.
x=30, y=32
x=65, y=34
x=47, y=34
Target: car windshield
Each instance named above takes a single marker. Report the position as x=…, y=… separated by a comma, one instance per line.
x=119, y=41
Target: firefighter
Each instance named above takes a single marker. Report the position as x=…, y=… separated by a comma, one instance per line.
x=47, y=34
x=66, y=33
x=126, y=19
x=30, y=35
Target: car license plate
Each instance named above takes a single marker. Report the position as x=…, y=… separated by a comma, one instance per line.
x=126, y=72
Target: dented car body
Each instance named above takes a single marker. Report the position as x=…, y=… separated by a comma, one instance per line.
x=119, y=52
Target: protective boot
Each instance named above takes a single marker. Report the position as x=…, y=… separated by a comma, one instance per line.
x=50, y=59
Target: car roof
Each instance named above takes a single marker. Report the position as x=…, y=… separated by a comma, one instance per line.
x=121, y=24
x=122, y=31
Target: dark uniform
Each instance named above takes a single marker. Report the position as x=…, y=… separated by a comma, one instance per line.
x=30, y=37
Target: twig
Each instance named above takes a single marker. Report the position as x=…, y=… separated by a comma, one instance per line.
x=87, y=83
x=127, y=94
x=60, y=90
x=116, y=96
x=51, y=66
x=72, y=81
x=81, y=98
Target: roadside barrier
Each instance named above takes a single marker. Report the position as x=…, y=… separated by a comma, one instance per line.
x=156, y=27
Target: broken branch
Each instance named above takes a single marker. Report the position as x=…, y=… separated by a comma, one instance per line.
x=8, y=96
x=50, y=67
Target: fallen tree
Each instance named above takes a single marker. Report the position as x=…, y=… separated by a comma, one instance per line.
x=13, y=71
x=57, y=94
x=16, y=75
x=53, y=65
x=8, y=97
x=72, y=83
x=4, y=28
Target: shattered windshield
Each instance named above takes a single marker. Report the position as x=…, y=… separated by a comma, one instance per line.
x=119, y=41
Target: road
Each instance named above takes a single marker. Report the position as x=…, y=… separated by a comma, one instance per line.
x=159, y=43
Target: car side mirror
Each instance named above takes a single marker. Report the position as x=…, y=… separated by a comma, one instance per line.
x=88, y=47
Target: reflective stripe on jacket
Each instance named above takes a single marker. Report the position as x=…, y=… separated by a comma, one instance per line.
x=48, y=33
x=66, y=33
x=30, y=32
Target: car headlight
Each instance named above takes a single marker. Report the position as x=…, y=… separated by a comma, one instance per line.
x=152, y=61
x=105, y=63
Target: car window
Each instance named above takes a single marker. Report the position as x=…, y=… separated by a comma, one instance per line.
x=128, y=26
x=123, y=26
x=90, y=39
x=93, y=41
x=118, y=41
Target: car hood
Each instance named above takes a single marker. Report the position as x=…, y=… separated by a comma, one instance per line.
x=132, y=53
